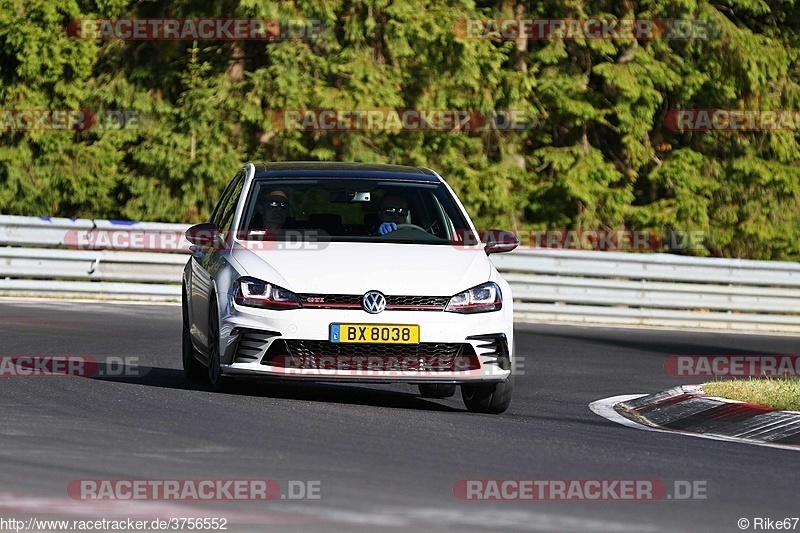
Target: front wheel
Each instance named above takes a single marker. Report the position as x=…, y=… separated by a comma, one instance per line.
x=219, y=383
x=491, y=399
x=192, y=368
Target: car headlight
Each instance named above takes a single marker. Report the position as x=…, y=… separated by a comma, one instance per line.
x=480, y=299
x=253, y=292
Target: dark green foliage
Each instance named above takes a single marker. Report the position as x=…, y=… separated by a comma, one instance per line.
x=598, y=156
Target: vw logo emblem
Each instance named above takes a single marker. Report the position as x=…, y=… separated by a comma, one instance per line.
x=373, y=302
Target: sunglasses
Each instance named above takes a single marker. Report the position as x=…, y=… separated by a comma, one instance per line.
x=399, y=211
x=278, y=203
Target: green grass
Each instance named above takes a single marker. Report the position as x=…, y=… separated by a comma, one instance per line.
x=778, y=393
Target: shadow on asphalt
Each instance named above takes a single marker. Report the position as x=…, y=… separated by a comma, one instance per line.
x=650, y=342
x=172, y=378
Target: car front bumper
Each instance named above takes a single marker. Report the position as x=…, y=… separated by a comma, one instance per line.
x=454, y=348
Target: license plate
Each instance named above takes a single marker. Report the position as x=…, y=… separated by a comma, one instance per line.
x=375, y=333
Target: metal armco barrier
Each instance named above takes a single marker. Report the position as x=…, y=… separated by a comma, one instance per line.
x=653, y=290
x=62, y=257
x=38, y=257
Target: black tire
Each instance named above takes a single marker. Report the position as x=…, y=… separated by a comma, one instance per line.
x=219, y=383
x=437, y=390
x=192, y=368
x=490, y=399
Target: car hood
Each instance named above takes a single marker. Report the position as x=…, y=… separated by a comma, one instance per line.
x=355, y=268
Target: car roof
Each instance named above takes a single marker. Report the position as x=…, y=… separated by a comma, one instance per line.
x=317, y=169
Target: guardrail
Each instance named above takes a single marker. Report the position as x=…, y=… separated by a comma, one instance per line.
x=653, y=290
x=548, y=284
x=38, y=257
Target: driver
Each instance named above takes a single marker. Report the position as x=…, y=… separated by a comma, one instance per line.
x=273, y=211
x=393, y=210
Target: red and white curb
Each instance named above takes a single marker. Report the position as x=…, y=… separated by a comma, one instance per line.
x=689, y=411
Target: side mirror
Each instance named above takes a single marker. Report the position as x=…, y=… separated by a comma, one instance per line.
x=203, y=235
x=498, y=241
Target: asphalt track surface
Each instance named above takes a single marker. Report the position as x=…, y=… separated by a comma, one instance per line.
x=386, y=459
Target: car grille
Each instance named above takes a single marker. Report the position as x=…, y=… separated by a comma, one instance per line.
x=330, y=301
x=393, y=303
x=309, y=347
x=426, y=356
x=416, y=302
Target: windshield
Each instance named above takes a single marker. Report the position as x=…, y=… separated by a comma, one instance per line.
x=353, y=210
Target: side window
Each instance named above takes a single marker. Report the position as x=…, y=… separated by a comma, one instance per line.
x=223, y=201
x=227, y=209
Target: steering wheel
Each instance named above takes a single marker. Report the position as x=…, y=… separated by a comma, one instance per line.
x=410, y=226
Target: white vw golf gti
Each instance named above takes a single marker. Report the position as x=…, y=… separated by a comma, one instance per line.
x=348, y=272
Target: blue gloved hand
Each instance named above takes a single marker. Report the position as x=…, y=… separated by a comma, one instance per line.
x=387, y=227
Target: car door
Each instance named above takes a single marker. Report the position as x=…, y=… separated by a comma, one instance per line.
x=206, y=261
